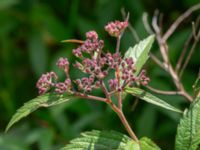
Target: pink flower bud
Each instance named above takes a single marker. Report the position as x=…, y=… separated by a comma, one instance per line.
x=116, y=28
x=45, y=82
x=63, y=63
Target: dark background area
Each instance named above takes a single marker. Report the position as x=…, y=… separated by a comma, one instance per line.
x=30, y=35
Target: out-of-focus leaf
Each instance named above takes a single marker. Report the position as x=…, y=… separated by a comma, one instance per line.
x=188, y=131
x=46, y=100
x=52, y=28
x=46, y=143
x=143, y=95
x=140, y=52
x=38, y=54
x=7, y=3
x=148, y=115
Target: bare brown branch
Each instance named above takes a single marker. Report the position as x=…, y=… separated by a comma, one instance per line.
x=146, y=23
x=157, y=61
x=191, y=51
x=179, y=20
x=163, y=92
x=166, y=64
x=183, y=53
x=130, y=27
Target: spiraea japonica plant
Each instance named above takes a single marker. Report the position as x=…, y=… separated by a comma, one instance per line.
x=117, y=75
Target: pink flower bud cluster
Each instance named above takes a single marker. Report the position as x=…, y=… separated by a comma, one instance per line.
x=46, y=82
x=87, y=83
x=62, y=87
x=143, y=79
x=91, y=44
x=113, y=60
x=116, y=28
x=127, y=77
x=62, y=63
x=97, y=65
x=49, y=80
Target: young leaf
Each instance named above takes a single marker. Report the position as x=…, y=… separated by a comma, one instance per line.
x=188, y=131
x=143, y=95
x=46, y=100
x=140, y=52
x=94, y=140
x=147, y=144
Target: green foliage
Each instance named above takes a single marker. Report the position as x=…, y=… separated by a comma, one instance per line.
x=7, y=3
x=22, y=21
x=147, y=144
x=46, y=100
x=143, y=95
x=188, y=132
x=140, y=52
x=99, y=140
x=108, y=140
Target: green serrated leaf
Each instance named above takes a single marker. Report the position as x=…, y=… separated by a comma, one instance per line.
x=105, y=140
x=132, y=145
x=188, y=131
x=140, y=52
x=147, y=144
x=45, y=100
x=143, y=95
x=108, y=140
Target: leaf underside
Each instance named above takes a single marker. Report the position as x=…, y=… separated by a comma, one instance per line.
x=143, y=95
x=140, y=53
x=188, y=131
x=108, y=140
x=45, y=100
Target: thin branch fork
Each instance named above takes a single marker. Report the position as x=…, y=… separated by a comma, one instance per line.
x=194, y=36
x=179, y=20
x=166, y=63
x=119, y=112
x=163, y=92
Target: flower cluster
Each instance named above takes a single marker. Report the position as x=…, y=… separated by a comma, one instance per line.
x=62, y=87
x=91, y=45
x=46, y=82
x=49, y=80
x=126, y=76
x=97, y=65
x=116, y=28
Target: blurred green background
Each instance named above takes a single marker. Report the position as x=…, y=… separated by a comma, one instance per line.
x=30, y=35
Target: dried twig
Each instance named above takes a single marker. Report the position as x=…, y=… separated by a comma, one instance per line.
x=166, y=65
x=181, y=58
x=179, y=20
x=157, y=61
x=186, y=45
x=130, y=27
x=196, y=40
x=163, y=92
x=146, y=24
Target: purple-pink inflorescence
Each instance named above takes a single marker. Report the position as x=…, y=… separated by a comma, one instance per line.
x=63, y=87
x=116, y=28
x=46, y=82
x=63, y=63
x=91, y=44
x=97, y=65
